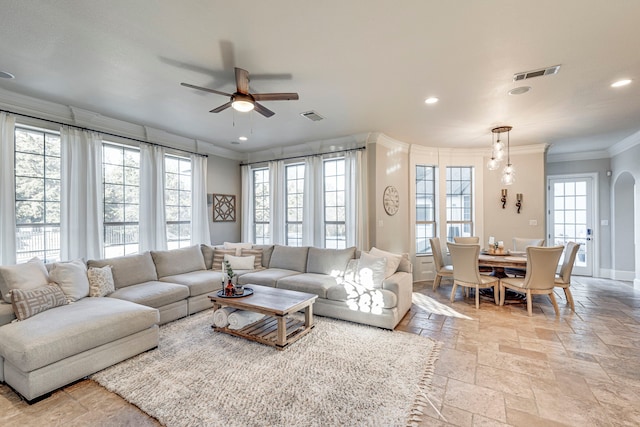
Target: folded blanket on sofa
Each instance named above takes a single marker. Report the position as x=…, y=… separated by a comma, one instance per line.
x=221, y=316
x=239, y=319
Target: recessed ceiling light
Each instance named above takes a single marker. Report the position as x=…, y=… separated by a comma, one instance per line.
x=519, y=90
x=620, y=83
x=5, y=75
x=431, y=100
x=242, y=138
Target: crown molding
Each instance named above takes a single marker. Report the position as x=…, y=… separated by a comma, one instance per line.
x=387, y=141
x=571, y=157
x=624, y=145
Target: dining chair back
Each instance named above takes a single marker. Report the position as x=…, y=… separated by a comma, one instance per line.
x=473, y=240
x=542, y=263
x=466, y=273
x=563, y=279
x=442, y=270
x=520, y=244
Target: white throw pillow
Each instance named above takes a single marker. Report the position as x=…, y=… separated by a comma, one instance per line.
x=72, y=279
x=240, y=262
x=393, y=260
x=238, y=247
x=100, y=281
x=371, y=271
x=29, y=275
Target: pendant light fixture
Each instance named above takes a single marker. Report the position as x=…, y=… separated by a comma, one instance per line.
x=497, y=154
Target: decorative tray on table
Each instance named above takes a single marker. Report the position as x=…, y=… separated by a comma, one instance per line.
x=247, y=292
x=503, y=253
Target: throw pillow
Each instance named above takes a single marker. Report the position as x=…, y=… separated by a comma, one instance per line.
x=29, y=275
x=371, y=271
x=241, y=262
x=255, y=252
x=72, y=279
x=100, y=281
x=238, y=247
x=29, y=302
x=393, y=260
x=218, y=257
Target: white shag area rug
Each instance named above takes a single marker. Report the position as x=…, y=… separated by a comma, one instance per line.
x=340, y=374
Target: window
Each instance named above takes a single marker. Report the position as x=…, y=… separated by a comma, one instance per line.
x=37, y=187
x=425, y=207
x=335, y=231
x=459, y=202
x=261, y=212
x=121, y=180
x=177, y=195
x=295, y=202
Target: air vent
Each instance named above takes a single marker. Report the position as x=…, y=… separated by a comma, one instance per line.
x=536, y=73
x=312, y=115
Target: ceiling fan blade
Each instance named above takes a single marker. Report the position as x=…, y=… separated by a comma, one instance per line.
x=242, y=81
x=205, y=89
x=221, y=108
x=263, y=110
x=275, y=96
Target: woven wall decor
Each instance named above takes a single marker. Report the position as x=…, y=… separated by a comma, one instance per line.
x=224, y=208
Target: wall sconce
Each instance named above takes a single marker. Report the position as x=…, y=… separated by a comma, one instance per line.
x=519, y=201
x=504, y=197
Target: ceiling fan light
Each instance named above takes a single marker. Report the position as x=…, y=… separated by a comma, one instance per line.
x=242, y=106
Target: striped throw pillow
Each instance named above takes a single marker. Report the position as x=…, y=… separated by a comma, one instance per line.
x=218, y=257
x=257, y=264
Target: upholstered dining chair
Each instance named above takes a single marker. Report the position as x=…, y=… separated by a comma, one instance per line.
x=464, y=258
x=474, y=240
x=563, y=279
x=520, y=244
x=539, y=279
x=442, y=270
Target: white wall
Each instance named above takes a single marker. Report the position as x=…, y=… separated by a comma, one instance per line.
x=223, y=177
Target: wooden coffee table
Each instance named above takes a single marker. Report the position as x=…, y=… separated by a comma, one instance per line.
x=277, y=329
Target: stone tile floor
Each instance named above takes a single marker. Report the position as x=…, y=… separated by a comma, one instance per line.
x=497, y=365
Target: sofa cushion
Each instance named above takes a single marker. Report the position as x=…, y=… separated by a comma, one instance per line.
x=362, y=296
x=369, y=271
x=289, y=258
x=71, y=329
x=257, y=253
x=393, y=260
x=267, y=277
x=72, y=278
x=207, y=254
x=178, y=261
x=152, y=294
x=100, y=281
x=29, y=275
x=130, y=269
x=329, y=261
x=29, y=302
x=267, y=251
x=198, y=282
x=218, y=258
x=6, y=314
x=312, y=283
x=240, y=262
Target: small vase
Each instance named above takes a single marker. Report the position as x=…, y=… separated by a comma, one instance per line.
x=229, y=291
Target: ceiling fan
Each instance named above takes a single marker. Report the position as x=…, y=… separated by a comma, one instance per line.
x=242, y=100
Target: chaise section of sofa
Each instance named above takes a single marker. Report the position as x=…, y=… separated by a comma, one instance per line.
x=136, y=280
x=63, y=344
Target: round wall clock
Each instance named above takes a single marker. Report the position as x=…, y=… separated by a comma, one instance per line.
x=391, y=200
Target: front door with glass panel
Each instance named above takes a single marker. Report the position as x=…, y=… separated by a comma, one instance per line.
x=571, y=217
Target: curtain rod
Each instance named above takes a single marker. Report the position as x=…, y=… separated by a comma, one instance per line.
x=303, y=156
x=101, y=132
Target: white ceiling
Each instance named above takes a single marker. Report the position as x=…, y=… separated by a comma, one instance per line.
x=365, y=65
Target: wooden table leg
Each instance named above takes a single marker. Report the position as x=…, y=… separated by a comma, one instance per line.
x=308, y=316
x=282, y=331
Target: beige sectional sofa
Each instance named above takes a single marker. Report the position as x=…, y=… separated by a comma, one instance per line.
x=60, y=345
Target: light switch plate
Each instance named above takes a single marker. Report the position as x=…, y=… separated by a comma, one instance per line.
x=533, y=222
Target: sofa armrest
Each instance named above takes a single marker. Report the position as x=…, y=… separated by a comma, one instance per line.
x=401, y=284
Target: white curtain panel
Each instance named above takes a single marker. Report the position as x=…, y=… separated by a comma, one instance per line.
x=7, y=191
x=246, y=205
x=312, y=211
x=81, y=201
x=277, y=183
x=199, y=213
x=152, y=224
x=356, y=199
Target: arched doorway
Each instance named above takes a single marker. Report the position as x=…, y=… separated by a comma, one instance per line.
x=624, y=208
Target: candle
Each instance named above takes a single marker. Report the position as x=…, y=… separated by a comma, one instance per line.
x=492, y=240
x=500, y=244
